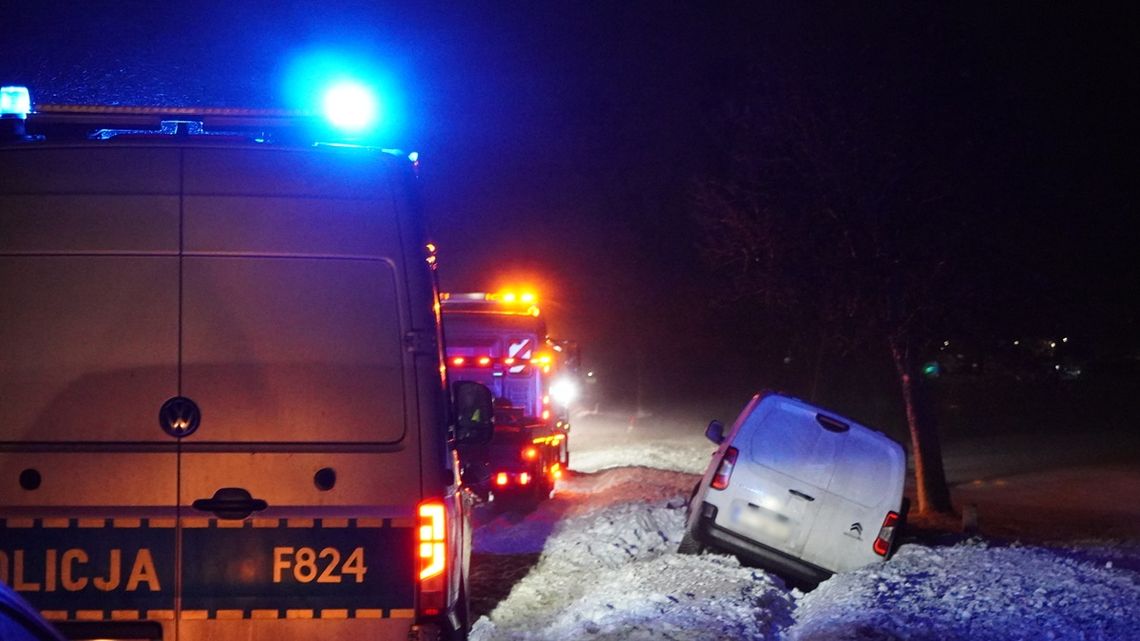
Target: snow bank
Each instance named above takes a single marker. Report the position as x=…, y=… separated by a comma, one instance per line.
x=609, y=570
x=621, y=490
x=974, y=591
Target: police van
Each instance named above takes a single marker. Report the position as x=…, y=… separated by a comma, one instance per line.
x=223, y=409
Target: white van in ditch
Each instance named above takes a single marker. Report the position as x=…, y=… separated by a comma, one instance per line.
x=222, y=409
x=798, y=490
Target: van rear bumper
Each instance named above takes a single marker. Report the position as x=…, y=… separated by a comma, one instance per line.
x=798, y=571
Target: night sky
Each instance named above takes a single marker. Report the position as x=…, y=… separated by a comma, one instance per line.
x=561, y=142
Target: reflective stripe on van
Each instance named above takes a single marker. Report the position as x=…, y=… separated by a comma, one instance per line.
x=123, y=569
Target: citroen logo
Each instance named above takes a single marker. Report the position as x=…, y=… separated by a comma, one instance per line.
x=179, y=417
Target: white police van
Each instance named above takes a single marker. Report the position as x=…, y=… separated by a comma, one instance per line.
x=222, y=406
x=798, y=490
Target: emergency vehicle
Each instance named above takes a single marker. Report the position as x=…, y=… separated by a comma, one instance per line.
x=224, y=413
x=499, y=340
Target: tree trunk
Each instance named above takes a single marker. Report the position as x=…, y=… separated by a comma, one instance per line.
x=933, y=494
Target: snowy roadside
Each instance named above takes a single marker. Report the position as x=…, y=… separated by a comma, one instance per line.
x=609, y=570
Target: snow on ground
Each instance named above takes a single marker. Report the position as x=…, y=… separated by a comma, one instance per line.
x=603, y=441
x=609, y=570
x=974, y=591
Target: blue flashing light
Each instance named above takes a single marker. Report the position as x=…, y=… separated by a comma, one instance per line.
x=357, y=99
x=351, y=106
x=15, y=102
x=414, y=156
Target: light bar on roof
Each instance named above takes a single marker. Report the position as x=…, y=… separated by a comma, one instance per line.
x=497, y=303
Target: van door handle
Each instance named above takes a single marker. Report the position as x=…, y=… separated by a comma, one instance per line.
x=231, y=503
x=800, y=494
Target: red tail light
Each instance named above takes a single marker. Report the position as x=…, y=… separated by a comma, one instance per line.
x=530, y=453
x=432, y=557
x=524, y=478
x=502, y=479
x=886, y=534
x=724, y=472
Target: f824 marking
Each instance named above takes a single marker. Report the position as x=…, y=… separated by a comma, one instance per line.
x=305, y=565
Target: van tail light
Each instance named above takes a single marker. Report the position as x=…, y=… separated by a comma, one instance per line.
x=724, y=472
x=886, y=534
x=431, y=556
x=524, y=478
x=501, y=479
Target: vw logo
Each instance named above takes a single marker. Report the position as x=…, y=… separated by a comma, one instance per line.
x=179, y=417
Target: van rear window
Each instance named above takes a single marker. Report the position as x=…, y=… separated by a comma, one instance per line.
x=787, y=439
x=293, y=349
x=866, y=475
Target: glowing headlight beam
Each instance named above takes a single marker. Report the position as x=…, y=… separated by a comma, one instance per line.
x=564, y=391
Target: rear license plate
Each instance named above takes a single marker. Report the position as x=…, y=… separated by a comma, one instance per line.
x=311, y=565
x=761, y=523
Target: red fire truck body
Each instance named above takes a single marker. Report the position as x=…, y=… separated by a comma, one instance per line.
x=501, y=342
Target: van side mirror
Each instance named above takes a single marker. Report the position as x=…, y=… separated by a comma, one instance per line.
x=473, y=406
x=715, y=432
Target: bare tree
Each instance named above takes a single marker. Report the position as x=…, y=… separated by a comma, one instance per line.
x=836, y=206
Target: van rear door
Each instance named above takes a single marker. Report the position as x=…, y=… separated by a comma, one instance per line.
x=293, y=318
x=89, y=281
x=792, y=456
x=867, y=484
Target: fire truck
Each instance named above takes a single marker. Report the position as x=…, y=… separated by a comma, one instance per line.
x=499, y=340
x=224, y=413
